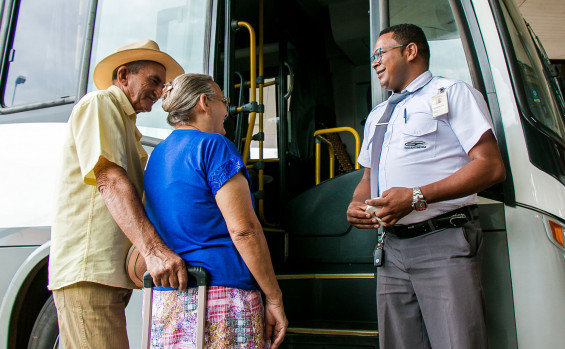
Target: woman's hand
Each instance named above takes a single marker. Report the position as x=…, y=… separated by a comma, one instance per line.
x=275, y=322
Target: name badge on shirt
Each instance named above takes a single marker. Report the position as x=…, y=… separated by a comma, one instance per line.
x=439, y=104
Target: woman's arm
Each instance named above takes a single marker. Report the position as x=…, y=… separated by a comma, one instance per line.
x=234, y=201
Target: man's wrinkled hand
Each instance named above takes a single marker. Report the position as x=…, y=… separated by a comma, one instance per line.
x=166, y=268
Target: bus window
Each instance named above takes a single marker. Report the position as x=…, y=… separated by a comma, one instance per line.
x=43, y=59
x=538, y=98
x=447, y=57
x=541, y=101
x=269, y=124
x=178, y=27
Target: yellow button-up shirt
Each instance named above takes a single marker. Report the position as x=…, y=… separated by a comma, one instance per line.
x=86, y=242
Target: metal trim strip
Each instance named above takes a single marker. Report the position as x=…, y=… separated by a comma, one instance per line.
x=327, y=331
x=324, y=276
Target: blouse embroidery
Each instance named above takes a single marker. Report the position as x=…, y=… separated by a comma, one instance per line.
x=223, y=173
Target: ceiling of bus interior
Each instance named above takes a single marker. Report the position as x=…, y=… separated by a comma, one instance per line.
x=326, y=21
x=352, y=37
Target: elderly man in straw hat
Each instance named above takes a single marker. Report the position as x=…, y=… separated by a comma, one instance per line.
x=98, y=209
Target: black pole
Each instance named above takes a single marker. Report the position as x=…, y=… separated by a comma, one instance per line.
x=228, y=43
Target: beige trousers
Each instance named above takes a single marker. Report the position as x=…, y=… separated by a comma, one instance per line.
x=92, y=315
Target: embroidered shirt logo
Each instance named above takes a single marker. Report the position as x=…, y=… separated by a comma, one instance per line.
x=415, y=145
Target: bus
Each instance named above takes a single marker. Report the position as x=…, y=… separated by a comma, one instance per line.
x=299, y=78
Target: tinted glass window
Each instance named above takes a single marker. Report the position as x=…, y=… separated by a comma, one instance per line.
x=178, y=27
x=43, y=61
x=541, y=100
x=447, y=57
x=538, y=99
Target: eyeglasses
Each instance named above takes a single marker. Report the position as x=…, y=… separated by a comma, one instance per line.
x=378, y=55
x=166, y=88
x=226, y=101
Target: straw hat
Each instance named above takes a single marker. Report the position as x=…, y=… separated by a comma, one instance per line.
x=145, y=50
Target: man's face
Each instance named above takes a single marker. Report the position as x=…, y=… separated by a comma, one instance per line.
x=392, y=70
x=144, y=88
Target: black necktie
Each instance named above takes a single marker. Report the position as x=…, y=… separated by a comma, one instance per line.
x=378, y=136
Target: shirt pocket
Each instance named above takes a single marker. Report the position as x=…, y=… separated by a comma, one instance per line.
x=419, y=137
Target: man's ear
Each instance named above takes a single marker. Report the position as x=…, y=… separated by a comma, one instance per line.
x=122, y=75
x=412, y=51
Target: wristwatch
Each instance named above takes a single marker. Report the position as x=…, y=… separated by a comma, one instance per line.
x=419, y=203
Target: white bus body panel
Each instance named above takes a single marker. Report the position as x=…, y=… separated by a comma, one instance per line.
x=36, y=256
x=529, y=182
x=537, y=265
x=29, y=157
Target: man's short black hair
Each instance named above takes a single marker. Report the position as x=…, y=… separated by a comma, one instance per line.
x=407, y=33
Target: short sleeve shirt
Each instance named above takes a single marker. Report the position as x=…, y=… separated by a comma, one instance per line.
x=419, y=148
x=86, y=242
x=183, y=175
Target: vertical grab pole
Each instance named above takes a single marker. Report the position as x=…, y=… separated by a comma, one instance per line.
x=228, y=58
x=260, y=85
x=261, y=144
x=318, y=156
x=252, y=90
x=319, y=140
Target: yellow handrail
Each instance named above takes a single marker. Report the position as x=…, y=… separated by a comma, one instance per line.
x=252, y=98
x=319, y=156
x=253, y=79
x=318, y=134
x=247, y=83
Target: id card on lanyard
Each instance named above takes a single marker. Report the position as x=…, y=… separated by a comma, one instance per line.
x=439, y=104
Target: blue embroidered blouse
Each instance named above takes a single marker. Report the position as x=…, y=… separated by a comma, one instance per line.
x=181, y=180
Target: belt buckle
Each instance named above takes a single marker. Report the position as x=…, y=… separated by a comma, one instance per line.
x=458, y=220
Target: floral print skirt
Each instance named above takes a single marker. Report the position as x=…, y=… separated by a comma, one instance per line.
x=234, y=319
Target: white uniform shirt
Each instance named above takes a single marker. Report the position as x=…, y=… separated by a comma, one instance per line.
x=419, y=149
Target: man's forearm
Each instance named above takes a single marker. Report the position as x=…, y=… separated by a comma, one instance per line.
x=124, y=204
x=485, y=169
x=471, y=179
x=363, y=190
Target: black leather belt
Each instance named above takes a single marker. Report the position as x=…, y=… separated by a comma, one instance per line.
x=452, y=219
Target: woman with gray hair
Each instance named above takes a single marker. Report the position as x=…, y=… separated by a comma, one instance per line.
x=198, y=198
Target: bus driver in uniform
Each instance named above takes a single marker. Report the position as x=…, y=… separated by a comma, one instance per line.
x=427, y=151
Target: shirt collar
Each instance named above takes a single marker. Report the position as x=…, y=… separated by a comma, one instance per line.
x=419, y=82
x=124, y=101
x=126, y=107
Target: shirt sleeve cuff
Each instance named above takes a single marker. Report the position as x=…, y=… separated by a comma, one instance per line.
x=224, y=173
